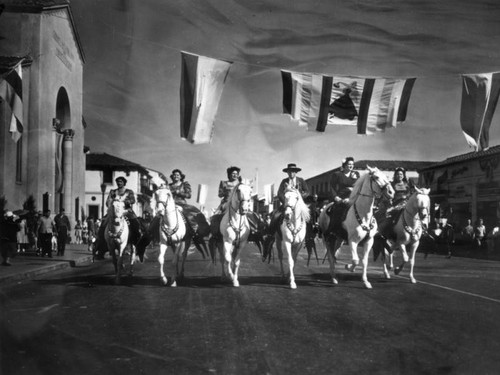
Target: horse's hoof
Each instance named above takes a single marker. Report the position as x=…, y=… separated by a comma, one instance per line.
x=368, y=285
x=350, y=268
x=391, y=268
x=174, y=284
x=334, y=281
x=164, y=281
x=293, y=285
x=413, y=280
x=236, y=283
x=387, y=276
x=397, y=270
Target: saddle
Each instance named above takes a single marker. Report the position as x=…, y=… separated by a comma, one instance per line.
x=387, y=222
x=337, y=213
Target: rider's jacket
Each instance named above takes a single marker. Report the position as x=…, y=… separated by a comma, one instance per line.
x=181, y=192
x=401, y=192
x=341, y=184
x=127, y=196
x=225, y=188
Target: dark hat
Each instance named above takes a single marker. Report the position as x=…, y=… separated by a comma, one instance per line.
x=232, y=169
x=121, y=178
x=183, y=176
x=292, y=168
x=400, y=169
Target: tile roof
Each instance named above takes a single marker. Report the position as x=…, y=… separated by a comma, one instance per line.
x=474, y=155
x=100, y=161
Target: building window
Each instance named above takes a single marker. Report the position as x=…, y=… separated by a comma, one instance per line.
x=107, y=177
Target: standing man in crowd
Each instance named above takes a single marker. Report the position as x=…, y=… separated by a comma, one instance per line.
x=63, y=228
x=44, y=229
x=8, y=237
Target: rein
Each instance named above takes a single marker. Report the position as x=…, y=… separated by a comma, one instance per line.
x=356, y=212
x=294, y=231
x=240, y=227
x=116, y=236
x=164, y=228
x=413, y=232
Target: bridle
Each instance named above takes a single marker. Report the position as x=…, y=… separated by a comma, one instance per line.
x=373, y=196
x=294, y=231
x=423, y=212
x=165, y=229
x=116, y=236
x=238, y=210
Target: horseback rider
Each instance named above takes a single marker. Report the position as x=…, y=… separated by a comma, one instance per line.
x=181, y=190
x=292, y=181
x=127, y=196
x=225, y=189
x=341, y=185
x=387, y=209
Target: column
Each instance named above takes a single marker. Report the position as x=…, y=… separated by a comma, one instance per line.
x=68, y=135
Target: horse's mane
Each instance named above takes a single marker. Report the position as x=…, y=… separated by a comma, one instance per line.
x=357, y=187
x=301, y=206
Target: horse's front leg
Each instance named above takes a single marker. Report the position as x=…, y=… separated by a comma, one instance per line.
x=132, y=260
x=291, y=264
x=228, y=259
x=398, y=269
x=353, y=246
x=332, y=245
x=161, y=260
x=178, y=248
x=413, y=252
x=185, y=248
x=364, y=261
x=236, y=262
x=279, y=244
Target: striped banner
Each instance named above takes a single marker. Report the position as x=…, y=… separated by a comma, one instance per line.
x=480, y=94
x=370, y=104
x=11, y=90
x=202, y=81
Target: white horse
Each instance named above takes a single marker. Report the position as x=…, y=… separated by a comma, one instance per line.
x=359, y=223
x=235, y=230
x=173, y=233
x=292, y=231
x=407, y=230
x=116, y=236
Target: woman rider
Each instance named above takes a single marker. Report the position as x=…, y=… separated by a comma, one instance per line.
x=181, y=190
x=341, y=185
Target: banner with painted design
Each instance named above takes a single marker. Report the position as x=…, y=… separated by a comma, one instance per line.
x=202, y=82
x=370, y=104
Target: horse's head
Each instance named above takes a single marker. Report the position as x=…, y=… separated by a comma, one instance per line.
x=116, y=210
x=164, y=200
x=295, y=204
x=421, y=201
x=380, y=184
x=292, y=198
x=242, y=197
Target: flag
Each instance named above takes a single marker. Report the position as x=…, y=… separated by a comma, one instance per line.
x=11, y=90
x=202, y=194
x=479, y=99
x=370, y=104
x=202, y=81
x=268, y=193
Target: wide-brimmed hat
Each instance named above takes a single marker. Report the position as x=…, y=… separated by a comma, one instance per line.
x=292, y=167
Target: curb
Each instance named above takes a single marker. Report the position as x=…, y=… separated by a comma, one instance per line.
x=44, y=269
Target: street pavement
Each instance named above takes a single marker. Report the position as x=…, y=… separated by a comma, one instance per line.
x=27, y=265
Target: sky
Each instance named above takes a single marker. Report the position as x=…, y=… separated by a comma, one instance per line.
x=131, y=79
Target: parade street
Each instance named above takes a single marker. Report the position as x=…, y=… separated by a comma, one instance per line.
x=77, y=321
